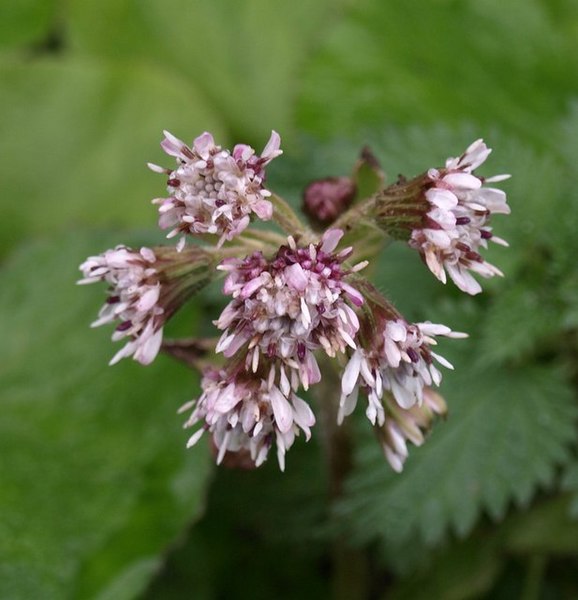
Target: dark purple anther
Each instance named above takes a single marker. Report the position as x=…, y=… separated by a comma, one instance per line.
x=124, y=326
x=463, y=220
x=486, y=235
x=474, y=256
x=301, y=351
x=174, y=182
x=413, y=355
x=429, y=223
x=463, y=247
x=113, y=299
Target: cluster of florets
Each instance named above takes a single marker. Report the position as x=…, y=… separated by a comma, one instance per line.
x=289, y=307
x=212, y=190
x=296, y=298
x=244, y=412
x=450, y=225
x=135, y=289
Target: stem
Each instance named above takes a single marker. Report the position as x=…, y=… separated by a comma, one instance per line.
x=261, y=237
x=350, y=569
x=286, y=218
x=356, y=213
x=534, y=577
x=336, y=442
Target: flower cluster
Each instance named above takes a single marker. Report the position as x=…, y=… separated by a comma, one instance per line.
x=213, y=191
x=145, y=289
x=284, y=309
x=243, y=412
x=403, y=425
x=298, y=304
x=290, y=306
x=134, y=299
x=445, y=213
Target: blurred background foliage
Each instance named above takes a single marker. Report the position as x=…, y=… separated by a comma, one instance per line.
x=98, y=498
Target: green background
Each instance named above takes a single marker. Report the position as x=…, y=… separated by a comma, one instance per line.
x=98, y=497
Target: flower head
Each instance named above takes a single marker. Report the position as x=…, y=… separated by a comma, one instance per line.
x=213, y=190
x=403, y=425
x=145, y=288
x=286, y=308
x=245, y=413
x=393, y=357
x=444, y=215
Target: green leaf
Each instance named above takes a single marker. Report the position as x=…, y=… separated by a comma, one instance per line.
x=545, y=529
x=570, y=483
x=97, y=481
x=506, y=432
x=407, y=62
x=260, y=537
x=25, y=21
x=464, y=570
x=509, y=334
x=245, y=56
x=76, y=139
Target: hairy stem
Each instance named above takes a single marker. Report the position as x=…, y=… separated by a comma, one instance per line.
x=286, y=218
x=350, y=570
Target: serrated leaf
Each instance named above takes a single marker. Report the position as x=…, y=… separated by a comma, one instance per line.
x=406, y=62
x=507, y=431
x=76, y=139
x=509, y=334
x=96, y=481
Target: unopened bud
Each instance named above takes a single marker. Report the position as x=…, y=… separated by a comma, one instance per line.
x=324, y=200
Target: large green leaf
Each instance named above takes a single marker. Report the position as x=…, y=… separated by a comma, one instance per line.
x=545, y=529
x=76, y=139
x=507, y=431
x=26, y=21
x=410, y=62
x=96, y=481
x=464, y=570
x=244, y=55
x=260, y=537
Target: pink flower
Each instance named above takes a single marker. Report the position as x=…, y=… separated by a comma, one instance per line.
x=133, y=300
x=444, y=215
x=399, y=360
x=403, y=425
x=455, y=227
x=393, y=357
x=286, y=308
x=145, y=289
x=213, y=191
x=243, y=412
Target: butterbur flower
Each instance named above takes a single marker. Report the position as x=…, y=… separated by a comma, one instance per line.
x=214, y=191
x=297, y=300
x=407, y=425
x=393, y=357
x=286, y=308
x=444, y=215
x=247, y=413
x=146, y=287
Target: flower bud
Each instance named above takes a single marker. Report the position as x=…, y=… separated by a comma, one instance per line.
x=324, y=200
